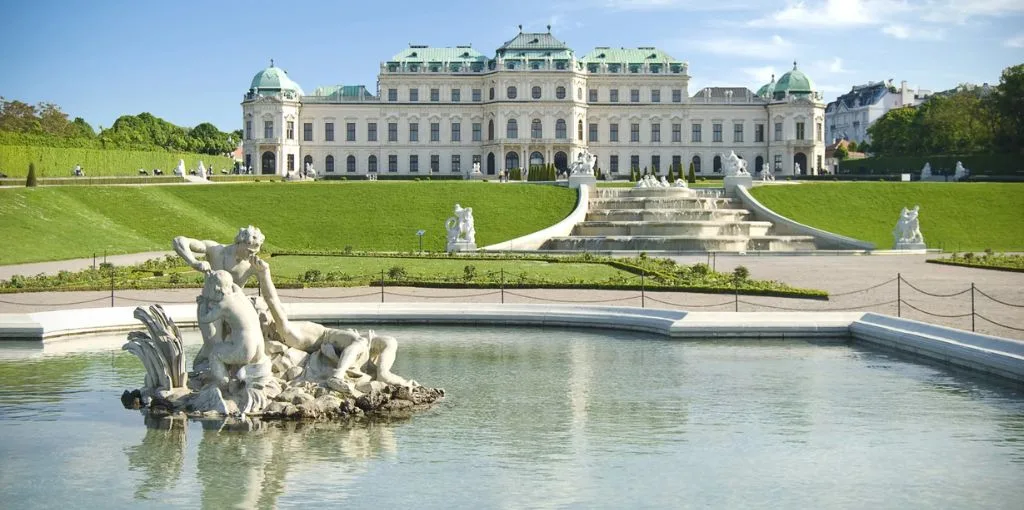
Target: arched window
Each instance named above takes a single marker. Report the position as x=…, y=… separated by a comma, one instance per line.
x=535, y=92
x=536, y=159
x=511, y=160
x=512, y=130
x=490, y=163
x=329, y=164
x=579, y=130
x=696, y=164
x=716, y=164
x=758, y=163
x=307, y=160
x=560, y=93
x=268, y=163
x=350, y=163
x=371, y=164
x=511, y=92
x=491, y=95
x=490, y=130
x=536, y=131
x=560, y=129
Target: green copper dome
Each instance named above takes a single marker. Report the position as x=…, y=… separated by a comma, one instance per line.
x=767, y=89
x=273, y=80
x=794, y=82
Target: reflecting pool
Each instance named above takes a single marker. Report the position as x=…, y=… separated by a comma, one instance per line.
x=537, y=418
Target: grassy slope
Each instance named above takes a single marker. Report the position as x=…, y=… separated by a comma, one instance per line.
x=954, y=216
x=59, y=161
x=54, y=223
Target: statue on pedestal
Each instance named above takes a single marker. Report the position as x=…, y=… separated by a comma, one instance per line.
x=461, y=230
x=960, y=173
x=735, y=165
x=926, y=172
x=907, y=233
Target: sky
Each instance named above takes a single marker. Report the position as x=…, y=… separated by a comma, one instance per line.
x=191, y=61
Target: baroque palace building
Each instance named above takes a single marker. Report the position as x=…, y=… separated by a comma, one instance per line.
x=437, y=111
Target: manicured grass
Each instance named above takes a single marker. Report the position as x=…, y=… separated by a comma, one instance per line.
x=55, y=223
x=998, y=261
x=59, y=161
x=954, y=216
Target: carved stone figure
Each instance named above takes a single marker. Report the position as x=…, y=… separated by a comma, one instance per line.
x=584, y=164
x=960, y=173
x=461, y=230
x=476, y=167
x=766, y=173
x=734, y=165
x=796, y=168
x=907, y=233
x=680, y=183
x=201, y=171
x=180, y=169
x=926, y=172
x=240, y=337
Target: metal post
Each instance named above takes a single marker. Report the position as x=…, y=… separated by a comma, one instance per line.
x=381, y=285
x=714, y=260
x=643, y=286
x=502, y=285
x=972, y=306
x=899, y=295
x=93, y=261
x=736, y=296
x=111, y=287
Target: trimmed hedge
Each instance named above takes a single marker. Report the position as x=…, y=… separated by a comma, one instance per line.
x=77, y=181
x=58, y=161
x=978, y=164
x=245, y=178
x=392, y=177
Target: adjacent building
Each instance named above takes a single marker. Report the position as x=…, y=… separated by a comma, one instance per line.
x=850, y=115
x=437, y=111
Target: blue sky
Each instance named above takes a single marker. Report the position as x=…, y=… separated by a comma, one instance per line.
x=190, y=61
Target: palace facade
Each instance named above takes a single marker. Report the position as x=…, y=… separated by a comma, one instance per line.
x=438, y=110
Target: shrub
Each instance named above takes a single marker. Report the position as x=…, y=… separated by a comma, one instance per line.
x=741, y=273
x=692, y=176
x=312, y=275
x=31, y=180
x=397, y=273
x=700, y=269
x=469, y=272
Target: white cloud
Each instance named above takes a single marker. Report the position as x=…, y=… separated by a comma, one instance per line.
x=830, y=14
x=1016, y=41
x=905, y=32
x=836, y=66
x=665, y=5
x=961, y=11
x=761, y=74
x=776, y=47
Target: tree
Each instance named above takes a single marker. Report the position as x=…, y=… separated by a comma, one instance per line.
x=1007, y=106
x=841, y=153
x=852, y=146
x=957, y=123
x=864, y=147
x=692, y=176
x=18, y=117
x=892, y=133
x=31, y=180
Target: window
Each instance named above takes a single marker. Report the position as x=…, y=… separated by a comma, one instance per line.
x=737, y=133
x=613, y=132
x=579, y=130
x=696, y=164
x=634, y=162
x=511, y=93
x=695, y=134
x=818, y=132
x=613, y=95
x=759, y=133
x=392, y=131
x=778, y=131
x=560, y=93
x=456, y=95
x=656, y=132
x=491, y=94
x=634, y=95
x=677, y=132
x=435, y=95
x=371, y=164
x=716, y=132
x=490, y=130
x=476, y=95
x=414, y=163
x=291, y=162
x=536, y=129
x=634, y=132
x=716, y=164
x=579, y=93
x=535, y=92
x=414, y=95
x=435, y=163
x=435, y=131
x=456, y=163
x=414, y=131
x=560, y=129
x=371, y=132
x=350, y=131
x=592, y=95
x=307, y=131
x=477, y=132
x=512, y=129
x=456, y=131
x=592, y=132
x=290, y=133
x=511, y=160
x=655, y=95
x=392, y=162
x=677, y=95
x=392, y=95
x=613, y=164
x=778, y=162
x=655, y=163
x=677, y=163
x=799, y=130
x=350, y=164
x=329, y=131
x=248, y=131
x=329, y=163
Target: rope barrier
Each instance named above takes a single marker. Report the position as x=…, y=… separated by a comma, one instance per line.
x=292, y=296
x=573, y=301
x=390, y=293
x=882, y=303
x=980, y=316
x=933, y=294
x=937, y=314
x=681, y=305
x=137, y=300
x=998, y=301
x=887, y=282
x=104, y=298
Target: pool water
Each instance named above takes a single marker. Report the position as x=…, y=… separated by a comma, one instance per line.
x=537, y=418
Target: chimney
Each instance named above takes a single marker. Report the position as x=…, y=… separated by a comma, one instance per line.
x=903, y=85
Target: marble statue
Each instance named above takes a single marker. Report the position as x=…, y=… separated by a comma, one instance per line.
x=240, y=340
x=960, y=173
x=735, y=165
x=201, y=171
x=766, y=173
x=180, y=169
x=907, y=233
x=680, y=183
x=461, y=230
x=664, y=182
x=796, y=168
x=926, y=172
x=584, y=164
x=476, y=167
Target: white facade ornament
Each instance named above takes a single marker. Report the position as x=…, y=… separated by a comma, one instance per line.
x=907, y=233
x=461, y=230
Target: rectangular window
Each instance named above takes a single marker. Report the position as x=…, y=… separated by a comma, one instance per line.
x=818, y=132
x=677, y=132
x=291, y=162
x=593, y=132
x=435, y=131
x=634, y=132
x=392, y=131
x=477, y=132
x=677, y=163
x=737, y=133
x=677, y=95
x=634, y=95
x=414, y=131
x=248, y=130
x=655, y=132
x=372, y=165
x=778, y=131
x=290, y=130
x=759, y=133
x=560, y=129
x=456, y=131
x=414, y=95
x=655, y=163
x=634, y=162
x=456, y=95
x=716, y=132
x=613, y=95
x=476, y=95
x=392, y=163
x=695, y=133
x=799, y=130
x=435, y=95
x=414, y=163
x=329, y=131
x=329, y=164
x=392, y=95
x=536, y=129
x=613, y=164
x=778, y=163
x=350, y=131
x=655, y=95
x=307, y=131
x=371, y=132
x=613, y=133
x=456, y=163
x=592, y=95
x=435, y=163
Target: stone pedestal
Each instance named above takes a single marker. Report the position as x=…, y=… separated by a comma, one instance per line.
x=576, y=180
x=461, y=245
x=732, y=181
x=477, y=176
x=910, y=246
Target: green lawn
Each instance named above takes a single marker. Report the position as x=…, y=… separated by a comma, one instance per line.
x=55, y=223
x=954, y=216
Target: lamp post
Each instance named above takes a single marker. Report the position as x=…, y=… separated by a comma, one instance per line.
x=420, y=233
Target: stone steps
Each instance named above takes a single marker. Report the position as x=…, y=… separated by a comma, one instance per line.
x=672, y=228
x=667, y=215
x=680, y=243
